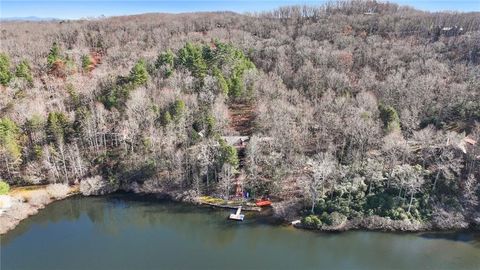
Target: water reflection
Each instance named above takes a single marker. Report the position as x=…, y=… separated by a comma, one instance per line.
x=119, y=212
x=133, y=232
x=471, y=237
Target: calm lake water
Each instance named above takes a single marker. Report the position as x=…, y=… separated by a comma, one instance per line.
x=128, y=232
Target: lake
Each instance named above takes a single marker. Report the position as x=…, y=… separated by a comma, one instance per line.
x=131, y=232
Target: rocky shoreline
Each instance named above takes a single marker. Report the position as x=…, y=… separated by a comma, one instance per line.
x=18, y=212
x=376, y=223
x=28, y=201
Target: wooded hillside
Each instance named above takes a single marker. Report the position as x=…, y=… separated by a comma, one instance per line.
x=355, y=108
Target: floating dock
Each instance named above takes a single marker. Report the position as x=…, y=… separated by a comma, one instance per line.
x=237, y=216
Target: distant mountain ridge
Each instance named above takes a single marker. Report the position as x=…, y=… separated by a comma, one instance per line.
x=28, y=19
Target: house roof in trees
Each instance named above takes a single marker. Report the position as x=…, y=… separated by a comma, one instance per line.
x=466, y=143
x=469, y=140
x=235, y=140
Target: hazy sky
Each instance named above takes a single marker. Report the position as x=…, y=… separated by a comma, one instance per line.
x=72, y=9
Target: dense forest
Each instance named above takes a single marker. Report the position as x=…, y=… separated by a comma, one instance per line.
x=353, y=110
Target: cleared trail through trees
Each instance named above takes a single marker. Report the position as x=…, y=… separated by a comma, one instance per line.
x=241, y=127
x=242, y=118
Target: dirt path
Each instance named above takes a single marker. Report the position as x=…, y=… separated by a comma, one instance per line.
x=242, y=117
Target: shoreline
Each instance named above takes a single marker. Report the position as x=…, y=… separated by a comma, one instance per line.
x=24, y=204
x=22, y=209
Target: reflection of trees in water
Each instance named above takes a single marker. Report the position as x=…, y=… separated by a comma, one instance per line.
x=151, y=216
x=121, y=213
x=143, y=216
x=454, y=236
x=66, y=210
x=206, y=231
x=69, y=210
x=116, y=214
x=472, y=237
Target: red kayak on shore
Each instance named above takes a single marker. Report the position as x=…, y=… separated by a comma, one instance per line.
x=263, y=203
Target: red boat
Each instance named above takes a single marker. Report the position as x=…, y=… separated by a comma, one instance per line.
x=263, y=203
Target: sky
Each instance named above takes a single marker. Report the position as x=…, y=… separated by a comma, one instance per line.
x=75, y=9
